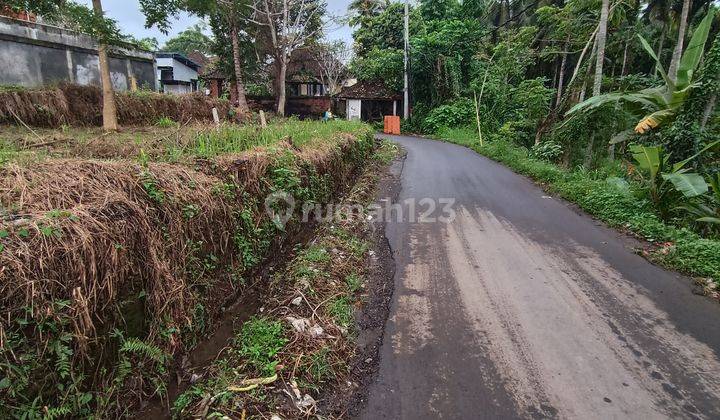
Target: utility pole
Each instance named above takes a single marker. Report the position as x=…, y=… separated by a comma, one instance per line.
x=406, y=90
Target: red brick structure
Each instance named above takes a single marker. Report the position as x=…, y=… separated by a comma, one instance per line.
x=23, y=15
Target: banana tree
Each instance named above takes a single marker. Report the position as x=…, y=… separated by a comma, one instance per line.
x=707, y=211
x=662, y=180
x=658, y=105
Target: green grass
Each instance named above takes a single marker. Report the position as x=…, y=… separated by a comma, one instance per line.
x=354, y=282
x=259, y=341
x=166, y=122
x=238, y=138
x=690, y=253
x=167, y=141
x=341, y=310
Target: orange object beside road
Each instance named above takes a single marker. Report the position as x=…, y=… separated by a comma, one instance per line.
x=392, y=124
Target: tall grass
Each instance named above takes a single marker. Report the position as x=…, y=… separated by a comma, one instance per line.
x=238, y=138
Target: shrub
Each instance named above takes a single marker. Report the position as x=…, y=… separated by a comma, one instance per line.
x=547, y=150
x=460, y=113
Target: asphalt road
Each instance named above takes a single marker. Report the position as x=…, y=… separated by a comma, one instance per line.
x=522, y=307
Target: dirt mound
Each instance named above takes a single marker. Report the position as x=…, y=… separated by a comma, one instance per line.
x=82, y=105
x=110, y=268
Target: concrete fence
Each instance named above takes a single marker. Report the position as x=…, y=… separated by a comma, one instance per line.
x=36, y=55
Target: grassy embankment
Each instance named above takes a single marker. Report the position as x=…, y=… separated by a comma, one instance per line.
x=304, y=342
x=677, y=248
x=117, y=260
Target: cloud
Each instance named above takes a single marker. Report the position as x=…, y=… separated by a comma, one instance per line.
x=132, y=22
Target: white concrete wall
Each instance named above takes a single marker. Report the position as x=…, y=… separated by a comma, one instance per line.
x=180, y=71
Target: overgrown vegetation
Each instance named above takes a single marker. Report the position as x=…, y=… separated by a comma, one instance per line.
x=613, y=104
x=304, y=343
x=74, y=105
x=111, y=268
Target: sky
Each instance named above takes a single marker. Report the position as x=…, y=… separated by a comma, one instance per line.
x=132, y=22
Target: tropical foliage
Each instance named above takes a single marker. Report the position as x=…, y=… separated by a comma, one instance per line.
x=625, y=91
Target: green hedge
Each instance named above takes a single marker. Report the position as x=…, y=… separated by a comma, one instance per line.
x=689, y=252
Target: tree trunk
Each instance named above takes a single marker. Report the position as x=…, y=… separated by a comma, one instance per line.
x=281, y=86
x=601, y=37
x=109, y=108
x=242, y=100
x=587, y=72
x=660, y=46
x=709, y=107
x=504, y=6
x=677, y=52
x=625, y=58
x=561, y=78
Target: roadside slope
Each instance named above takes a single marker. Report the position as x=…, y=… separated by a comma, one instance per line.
x=522, y=307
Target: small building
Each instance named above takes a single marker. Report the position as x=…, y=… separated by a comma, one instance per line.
x=176, y=73
x=304, y=75
x=370, y=100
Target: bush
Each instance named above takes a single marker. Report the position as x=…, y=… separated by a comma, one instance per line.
x=547, y=150
x=521, y=132
x=460, y=113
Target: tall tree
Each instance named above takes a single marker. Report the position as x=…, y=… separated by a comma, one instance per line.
x=601, y=40
x=362, y=10
x=110, y=122
x=677, y=52
x=331, y=58
x=234, y=12
x=287, y=25
x=189, y=40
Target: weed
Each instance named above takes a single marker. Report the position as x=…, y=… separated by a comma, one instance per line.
x=165, y=122
x=357, y=246
x=341, y=310
x=320, y=368
x=225, y=190
x=259, y=342
x=150, y=185
x=49, y=231
x=354, y=282
x=317, y=254
x=190, y=211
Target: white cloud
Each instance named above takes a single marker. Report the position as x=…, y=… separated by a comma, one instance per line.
x=132, y=22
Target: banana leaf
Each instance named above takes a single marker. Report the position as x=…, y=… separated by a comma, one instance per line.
x=649, y=158
x=690, y=184
x=694, y=51
x=658, y=64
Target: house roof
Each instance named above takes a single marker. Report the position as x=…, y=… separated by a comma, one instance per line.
x=179, y=57
x=200, y=59
x=303, y=67
x=369, y=89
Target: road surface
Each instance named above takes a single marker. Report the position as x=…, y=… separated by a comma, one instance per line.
x=522, y=307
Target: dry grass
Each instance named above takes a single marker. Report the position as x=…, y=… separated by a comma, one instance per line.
x=82, y=105
x=90, y=246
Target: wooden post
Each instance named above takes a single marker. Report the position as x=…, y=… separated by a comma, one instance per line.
x=263, y=123
x=215, y=115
